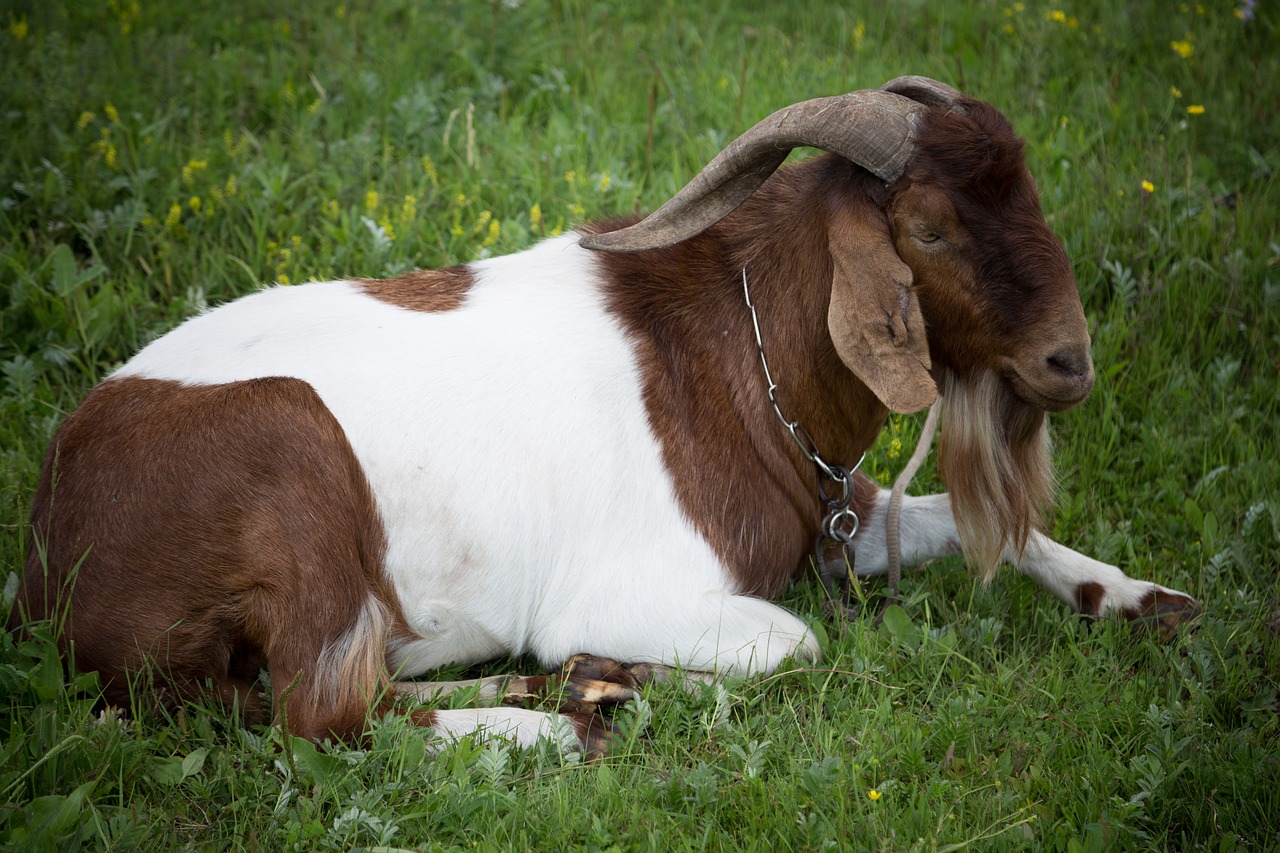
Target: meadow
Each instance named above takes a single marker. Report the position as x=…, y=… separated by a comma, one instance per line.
x=159, y=158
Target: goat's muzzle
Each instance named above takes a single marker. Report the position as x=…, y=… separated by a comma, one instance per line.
x=1060, y=380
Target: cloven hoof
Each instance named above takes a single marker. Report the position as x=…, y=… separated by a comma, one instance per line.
x=1166, y=612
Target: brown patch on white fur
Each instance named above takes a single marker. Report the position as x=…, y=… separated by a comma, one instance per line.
x=1164, y=610
x=171, y=523
x=1089, y=597
x=423, y=290
x=993, y=455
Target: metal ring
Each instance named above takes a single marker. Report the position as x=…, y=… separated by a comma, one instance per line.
x=832, y=526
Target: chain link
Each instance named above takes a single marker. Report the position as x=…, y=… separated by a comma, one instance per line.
x=840, y=523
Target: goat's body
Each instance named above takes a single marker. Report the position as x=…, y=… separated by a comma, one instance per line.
x=493, y=514
x=536, y=517
x=555, y=452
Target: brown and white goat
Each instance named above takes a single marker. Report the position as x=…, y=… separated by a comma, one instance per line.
x=566, y=451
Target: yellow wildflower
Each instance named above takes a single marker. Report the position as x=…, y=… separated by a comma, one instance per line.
x=535, y=216
x=1008, y=29
x=576, y=210
x=430, y=168
x=371, y=200
x=314, y=107
x=193, y=168
x=1183, y=48
x=106, y=147
x=859, y=35
x=329, y=207
x=874, y=795
x=723, y=83
x=895, y=448
x=83, y=121
x=603, y=184
x=1195, y=109
x=194, y=203
x=1148, y=187
x=126, y=12
x=111, y=114
x=1019, y=7
x=570, y=177
x=1057, y=15
x=1175, y=91
x=174, y=216
x=231, y=187
x=495, y=230
x=408, y=209
x=18, y=28
x=341, y=12
x=460, y=199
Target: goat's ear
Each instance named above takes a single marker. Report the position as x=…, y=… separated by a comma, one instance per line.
x=875, y=318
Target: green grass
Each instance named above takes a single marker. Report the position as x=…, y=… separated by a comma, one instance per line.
x=161, y=157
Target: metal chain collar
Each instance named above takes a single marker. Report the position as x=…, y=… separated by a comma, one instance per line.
x=835, y=482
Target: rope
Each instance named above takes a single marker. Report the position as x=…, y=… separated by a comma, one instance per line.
x=893, y=541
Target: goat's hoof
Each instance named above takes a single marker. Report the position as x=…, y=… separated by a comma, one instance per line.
x=607, y=669
x=595, y=732
x=1166, y=611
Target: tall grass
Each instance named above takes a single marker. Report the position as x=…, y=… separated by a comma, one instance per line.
x=159, y=158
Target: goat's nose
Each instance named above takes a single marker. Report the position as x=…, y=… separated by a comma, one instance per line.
x=1070, y=363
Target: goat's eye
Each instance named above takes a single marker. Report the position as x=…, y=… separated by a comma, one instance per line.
x=928, y=237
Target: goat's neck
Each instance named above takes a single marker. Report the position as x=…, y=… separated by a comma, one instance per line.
x=789, y=272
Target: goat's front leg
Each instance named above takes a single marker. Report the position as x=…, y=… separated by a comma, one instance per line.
x=928, y=530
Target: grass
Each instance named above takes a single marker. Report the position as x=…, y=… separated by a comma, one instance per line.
x=162, y=157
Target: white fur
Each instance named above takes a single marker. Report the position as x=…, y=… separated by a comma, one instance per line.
x=523, y=727
x=525, y=501
x=928, y=531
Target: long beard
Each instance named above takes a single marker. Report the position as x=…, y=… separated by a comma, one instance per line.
x=993, y=455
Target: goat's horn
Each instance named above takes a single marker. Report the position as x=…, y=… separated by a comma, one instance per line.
x=873, y=128
x=927, y=91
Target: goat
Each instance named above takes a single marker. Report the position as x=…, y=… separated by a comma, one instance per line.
x=575, y=449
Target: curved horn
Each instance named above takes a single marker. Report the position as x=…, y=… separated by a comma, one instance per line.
x=927, y=91
x=873, y=128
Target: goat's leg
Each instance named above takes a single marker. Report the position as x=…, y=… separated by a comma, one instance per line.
x=1091, y=587
x=709, y=631
x=565, y=690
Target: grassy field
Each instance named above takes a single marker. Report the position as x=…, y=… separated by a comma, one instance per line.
x=160, y=157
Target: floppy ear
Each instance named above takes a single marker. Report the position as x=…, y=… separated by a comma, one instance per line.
x=874, y=318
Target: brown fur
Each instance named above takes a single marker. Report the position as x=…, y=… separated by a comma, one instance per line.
x=1089, y=598
x=180, y=506
x=1001, y=287
x=737, y=474
x=423, y=290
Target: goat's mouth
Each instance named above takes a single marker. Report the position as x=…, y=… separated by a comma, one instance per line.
x=1054, y=388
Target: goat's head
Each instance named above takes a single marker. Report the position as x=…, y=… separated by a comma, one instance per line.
x=955, y=243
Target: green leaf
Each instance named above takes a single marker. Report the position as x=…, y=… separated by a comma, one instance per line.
x=166, y=771
x=900, y=627
x=324, y=768
x=194, y=762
